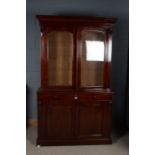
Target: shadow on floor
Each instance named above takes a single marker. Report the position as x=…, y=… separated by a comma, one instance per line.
x=31, y=135
x=118, y=134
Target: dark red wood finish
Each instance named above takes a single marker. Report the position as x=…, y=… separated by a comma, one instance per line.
x=71, y=115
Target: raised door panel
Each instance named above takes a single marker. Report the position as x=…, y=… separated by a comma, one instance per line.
x=57, y=118
x=90, y=120
x=94, y=119
x=59, y=121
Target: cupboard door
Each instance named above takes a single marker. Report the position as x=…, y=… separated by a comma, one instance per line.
x=57, y=119
x=94, y=119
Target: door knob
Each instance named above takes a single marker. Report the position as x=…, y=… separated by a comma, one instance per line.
x=75, y=97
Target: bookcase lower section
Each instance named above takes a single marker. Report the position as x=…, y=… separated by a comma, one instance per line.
x=74, y=118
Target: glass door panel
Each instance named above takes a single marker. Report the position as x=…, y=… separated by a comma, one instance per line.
x=92, y=58
x=60, y=58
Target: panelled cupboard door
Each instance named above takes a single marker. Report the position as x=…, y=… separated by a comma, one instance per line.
x=56, y=120
x=94, y=119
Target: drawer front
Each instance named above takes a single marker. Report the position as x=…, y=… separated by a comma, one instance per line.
x=72, y=96
x=54, y=96
x=95, y=96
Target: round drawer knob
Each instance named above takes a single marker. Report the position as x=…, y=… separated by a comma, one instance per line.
x=75, y=97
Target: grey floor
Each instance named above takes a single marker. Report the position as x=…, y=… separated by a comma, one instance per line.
x=119, y=147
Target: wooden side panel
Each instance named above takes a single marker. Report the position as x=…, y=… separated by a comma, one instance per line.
x=107, y=121
x=41, y=120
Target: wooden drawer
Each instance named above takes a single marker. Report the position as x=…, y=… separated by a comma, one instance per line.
x=95, y=96
x=72, y=96
x=56, y=96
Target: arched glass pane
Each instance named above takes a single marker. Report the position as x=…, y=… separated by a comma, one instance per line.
x=92, y=60
x=60, y=57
